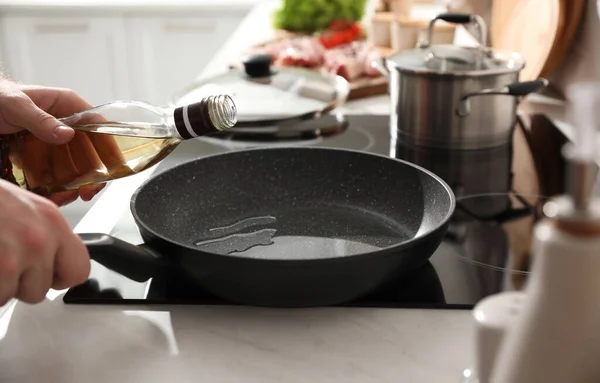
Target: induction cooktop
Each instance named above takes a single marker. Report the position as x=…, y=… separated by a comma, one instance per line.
x=487, y=248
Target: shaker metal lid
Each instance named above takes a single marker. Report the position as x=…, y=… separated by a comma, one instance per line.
x=451, y=59
x=266, y=96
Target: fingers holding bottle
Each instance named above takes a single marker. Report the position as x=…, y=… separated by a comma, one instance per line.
x=51, y=160
x=88, y=192
x=18, y=112
x=94, y=155
x=105, y=145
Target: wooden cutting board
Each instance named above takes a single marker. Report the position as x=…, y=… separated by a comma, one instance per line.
x=532, y=28
x=368, y=87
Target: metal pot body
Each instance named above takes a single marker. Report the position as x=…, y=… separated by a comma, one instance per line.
x=425, y=109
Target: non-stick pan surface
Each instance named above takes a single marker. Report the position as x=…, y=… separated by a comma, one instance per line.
x=293, y=227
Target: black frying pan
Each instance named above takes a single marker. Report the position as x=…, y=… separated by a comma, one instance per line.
x=284, y=227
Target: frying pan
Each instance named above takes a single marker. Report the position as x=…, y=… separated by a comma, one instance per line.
x=285, y=226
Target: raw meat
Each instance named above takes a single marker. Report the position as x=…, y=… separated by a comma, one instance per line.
x=297, y=52
x=352, y=60
x=303, y=52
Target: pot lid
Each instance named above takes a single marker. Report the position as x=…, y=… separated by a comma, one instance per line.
x=456, y=60
x=449, y=59
x=266, y=96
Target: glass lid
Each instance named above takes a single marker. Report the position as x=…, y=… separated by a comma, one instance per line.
x=454, y=59
x=266, y=96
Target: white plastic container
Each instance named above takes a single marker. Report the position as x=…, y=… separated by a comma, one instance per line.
x=556, y=337
x=491, y=316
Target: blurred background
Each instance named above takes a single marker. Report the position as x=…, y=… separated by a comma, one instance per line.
x=124, y=49
x=147, y=50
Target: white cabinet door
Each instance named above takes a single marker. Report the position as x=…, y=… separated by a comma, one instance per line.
x=169, y=52
x=88, y=55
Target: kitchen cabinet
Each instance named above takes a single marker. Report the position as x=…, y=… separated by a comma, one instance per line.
x=168, y=52
x=85, y=54
x=114, y=54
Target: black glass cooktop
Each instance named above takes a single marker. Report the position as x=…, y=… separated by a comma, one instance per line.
x=486, y=249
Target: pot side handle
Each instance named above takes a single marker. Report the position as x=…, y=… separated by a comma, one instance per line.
x=524, y=88
x=132, y=261
x=516, y=89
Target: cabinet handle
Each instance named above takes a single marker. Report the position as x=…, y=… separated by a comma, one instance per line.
x=189, y=28
x=61, y=28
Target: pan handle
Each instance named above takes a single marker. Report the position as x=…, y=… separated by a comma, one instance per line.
x=135, y=262
x=516, y=89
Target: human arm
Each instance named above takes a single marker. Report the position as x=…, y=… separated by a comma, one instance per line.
x=38, y=249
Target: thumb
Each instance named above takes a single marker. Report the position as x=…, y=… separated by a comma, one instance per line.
x=43, y=125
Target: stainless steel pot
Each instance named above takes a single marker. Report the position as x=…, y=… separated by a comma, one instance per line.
x=455, y=97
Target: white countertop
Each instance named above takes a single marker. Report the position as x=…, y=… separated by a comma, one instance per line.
x=53, y=342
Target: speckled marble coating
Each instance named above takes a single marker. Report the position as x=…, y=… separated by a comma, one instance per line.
x=310, y=191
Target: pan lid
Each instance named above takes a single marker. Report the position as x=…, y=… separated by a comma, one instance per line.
x=457, y=60
x=267, y=96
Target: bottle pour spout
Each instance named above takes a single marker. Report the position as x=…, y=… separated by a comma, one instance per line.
x=210, y=115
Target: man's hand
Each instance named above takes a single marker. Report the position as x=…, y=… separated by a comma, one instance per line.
x=37, y=110
x=38, y=250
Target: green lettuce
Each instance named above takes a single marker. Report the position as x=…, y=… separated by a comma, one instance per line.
x=309, y=16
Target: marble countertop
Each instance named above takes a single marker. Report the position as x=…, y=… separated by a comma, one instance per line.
x=53, y=342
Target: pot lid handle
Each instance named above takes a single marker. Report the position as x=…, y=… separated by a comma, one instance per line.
x=258, y=65
x=457, y=18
